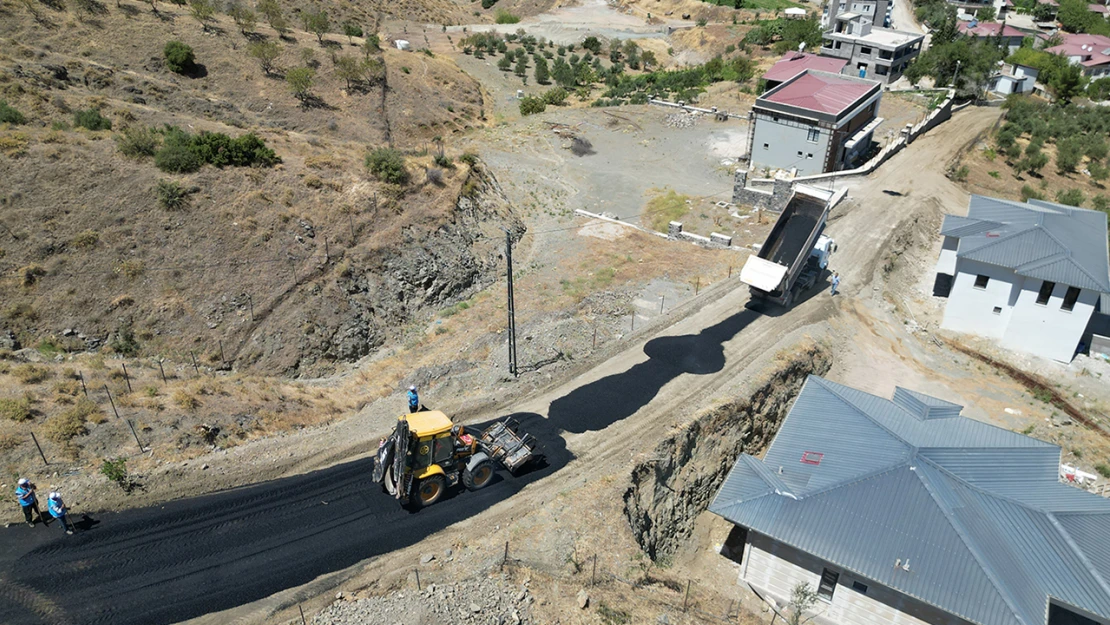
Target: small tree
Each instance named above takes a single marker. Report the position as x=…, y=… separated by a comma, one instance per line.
x=202, y=11
x=591, y=43
x=265, y=52
x=543, y=76
x=171, y=196
x=351, y=29
x=316, y=22
x=504, y=63
x=521, y=68
x=348, y=68
x=300, y=83
x=244, y=18
x=274, y=17
x=372, y=44
x=115, y=469
x=179, y=57
x=1071, y=197
x=802, y=598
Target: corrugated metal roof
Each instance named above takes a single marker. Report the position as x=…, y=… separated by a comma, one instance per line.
x=989, y=532
x=1038, y=239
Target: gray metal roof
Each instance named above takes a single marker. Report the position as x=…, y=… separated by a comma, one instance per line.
x=1038, y=239
x=862, y=482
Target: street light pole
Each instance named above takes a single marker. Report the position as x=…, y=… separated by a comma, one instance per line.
x=512, y=304
x=955, y=74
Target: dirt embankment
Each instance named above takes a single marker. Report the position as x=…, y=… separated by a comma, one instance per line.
x=676, y=484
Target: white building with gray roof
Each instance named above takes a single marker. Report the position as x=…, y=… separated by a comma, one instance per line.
x=904, y=512
x=1029, y=275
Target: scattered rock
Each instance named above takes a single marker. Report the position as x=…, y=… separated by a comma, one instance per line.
x=426, y=558
x=339, y=595
x=583, y=599
x=475, y=608
x=204, y=467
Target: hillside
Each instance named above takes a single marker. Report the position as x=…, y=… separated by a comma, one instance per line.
x=286, y=268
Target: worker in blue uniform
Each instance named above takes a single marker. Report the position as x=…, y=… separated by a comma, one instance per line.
x=25, y=493
x=414, y=400
x=58, y=510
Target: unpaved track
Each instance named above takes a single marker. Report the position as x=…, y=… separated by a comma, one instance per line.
x=195, y=556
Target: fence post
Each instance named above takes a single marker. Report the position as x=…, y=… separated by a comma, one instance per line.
x=697, y=286
x=126, y=377
x=595, y=336
x=194, y=357
x=136, y=435
x=505, y=558
x=39, y=447
x=81, y=376
x=111, y=401
x=662, y=300
x=299, y=609
x=223, y=361
x=418, y=579
x=162, y=371
x=686, y=599
x=593, y=573
x=250, y=300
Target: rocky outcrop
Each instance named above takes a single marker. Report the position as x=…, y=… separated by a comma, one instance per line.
x=676, y=484
x=364, y=302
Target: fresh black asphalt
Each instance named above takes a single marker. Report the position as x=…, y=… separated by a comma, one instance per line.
x=189, y=557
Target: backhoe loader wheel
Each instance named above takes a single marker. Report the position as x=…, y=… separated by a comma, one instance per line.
x=479, y=476
x=429, y=490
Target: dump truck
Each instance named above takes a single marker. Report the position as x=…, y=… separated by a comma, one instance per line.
x=427, y=453
x=796, y=251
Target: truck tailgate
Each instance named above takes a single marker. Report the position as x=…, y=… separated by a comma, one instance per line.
x=762, y=274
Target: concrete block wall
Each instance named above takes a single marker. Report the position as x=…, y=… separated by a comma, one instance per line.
x=674, y=230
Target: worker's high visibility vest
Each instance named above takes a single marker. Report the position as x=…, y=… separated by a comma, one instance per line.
x=26, y=496
x=414, y=400
x=57, y=508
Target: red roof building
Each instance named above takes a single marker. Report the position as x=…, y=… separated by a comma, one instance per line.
x=793, y=63
x=815, y=122
x=1092, y=52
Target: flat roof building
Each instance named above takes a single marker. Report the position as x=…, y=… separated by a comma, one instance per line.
x=881, y=54
x=814, y=123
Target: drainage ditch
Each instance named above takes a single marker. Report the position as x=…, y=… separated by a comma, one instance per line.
x=676, y=484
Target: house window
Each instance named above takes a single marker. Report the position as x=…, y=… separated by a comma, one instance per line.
x=859, y=587
x=766, y=146
x=981, y=281
x=997, y=310
x=828, y=584
x=1070, y=298
x=882, y=71
x=865, y=51
x=1045, y=292
x=814, y=135
x=809, y=155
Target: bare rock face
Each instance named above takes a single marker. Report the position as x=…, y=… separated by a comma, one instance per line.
x=682, y=476
x=583, y=599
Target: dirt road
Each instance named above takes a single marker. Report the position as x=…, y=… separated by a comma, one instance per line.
x=201, y=555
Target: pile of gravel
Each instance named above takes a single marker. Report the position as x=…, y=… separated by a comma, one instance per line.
x=490, y=601
x=681, y=120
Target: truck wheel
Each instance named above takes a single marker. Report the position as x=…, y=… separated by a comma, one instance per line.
x=429, y=491
x=479, y=476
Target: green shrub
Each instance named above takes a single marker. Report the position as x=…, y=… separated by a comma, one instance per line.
x=171, y=196
x=85, y=240
x=179, y=57
x=555, y=97
x=1028, y=193
x=1101, y=202
x=182, y=152
x=469, y=158
x=15, y=409
x=92, y=120
x=176, y=158
x=115, y=469
x=387, y=165
x=1071, y=197
x=138, y=141
x=1103, y=470
x=531, y=105
x=9, y=115
x=501, y=16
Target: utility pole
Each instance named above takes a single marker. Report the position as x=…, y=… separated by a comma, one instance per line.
x=955, y=74
x=512, y=306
